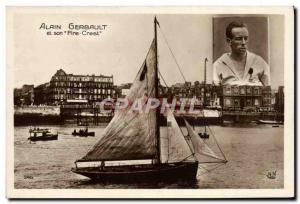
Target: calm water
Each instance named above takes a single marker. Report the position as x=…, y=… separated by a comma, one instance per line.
x=252, y=151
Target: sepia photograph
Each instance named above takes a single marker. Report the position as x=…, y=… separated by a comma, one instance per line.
x=109, y=102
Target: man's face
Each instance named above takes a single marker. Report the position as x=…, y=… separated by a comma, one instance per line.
x=239, y=40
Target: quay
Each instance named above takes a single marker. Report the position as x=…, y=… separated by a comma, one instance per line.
x=85, y=114
x=244, y=116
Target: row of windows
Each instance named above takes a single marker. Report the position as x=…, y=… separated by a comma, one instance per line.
x=88, y=97
x=88, y=85
x=194, y=89
x=91, y=91
x=86, y=78
x=208, y=94
x=236, y=102
x=237, y=91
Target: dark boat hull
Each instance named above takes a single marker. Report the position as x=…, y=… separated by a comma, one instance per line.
x=92, y=134
x=185, y=171
x=43, y=138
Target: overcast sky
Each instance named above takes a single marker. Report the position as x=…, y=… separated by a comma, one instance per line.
x=118, y=51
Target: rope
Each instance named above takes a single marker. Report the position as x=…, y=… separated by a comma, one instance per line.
x=217, y=143
x=163, y=79
x=192, y=150
x=207, y=171
x=187, y=157
x=164, y=37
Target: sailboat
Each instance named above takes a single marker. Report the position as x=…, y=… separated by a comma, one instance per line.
x=130, y=149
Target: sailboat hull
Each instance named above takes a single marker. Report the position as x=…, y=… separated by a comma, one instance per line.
x=185, y=171
x=270, y=122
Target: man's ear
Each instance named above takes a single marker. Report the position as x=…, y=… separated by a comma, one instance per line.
x=228, y=40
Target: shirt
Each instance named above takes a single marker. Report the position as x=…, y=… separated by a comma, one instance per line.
x=256, y=72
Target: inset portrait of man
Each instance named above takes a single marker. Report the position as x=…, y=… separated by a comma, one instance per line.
x=241, y=66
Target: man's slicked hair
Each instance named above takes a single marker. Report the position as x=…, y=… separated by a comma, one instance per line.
x=234, y=24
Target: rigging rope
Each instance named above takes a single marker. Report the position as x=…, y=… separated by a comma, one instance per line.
x=187, y=157
x=192, y=149
x=209, y=170
x=163, y=78
x=217, y=143
x=164, y=37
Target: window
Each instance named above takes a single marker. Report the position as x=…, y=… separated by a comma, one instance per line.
x=228, y=90
x=242, y=90
x=236, y=90
x=236, y=102
x=227, y=102
x=249, y=90
x=248, y=102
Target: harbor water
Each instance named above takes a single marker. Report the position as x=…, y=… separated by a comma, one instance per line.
x=253, y=152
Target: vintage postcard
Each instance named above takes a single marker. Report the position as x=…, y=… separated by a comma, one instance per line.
x=150, y=102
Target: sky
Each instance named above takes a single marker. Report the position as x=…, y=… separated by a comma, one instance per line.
x=119, y=50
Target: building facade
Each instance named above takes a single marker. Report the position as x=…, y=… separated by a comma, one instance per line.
x=94, y=89
x=205, y=94
x=279, y=99
x=24, y=95
x=247, y=98
x=42, y=94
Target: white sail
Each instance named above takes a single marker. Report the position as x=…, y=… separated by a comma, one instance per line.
x=200, y=147
x=177, y=145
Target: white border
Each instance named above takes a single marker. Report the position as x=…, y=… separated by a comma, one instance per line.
x=166, y=193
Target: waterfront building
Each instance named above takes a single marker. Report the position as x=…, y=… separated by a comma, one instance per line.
x=123, y=89
x=117, y=91
x=205, y=94
x=93, y=88
x=279, y=100
x=267, y=99
x=24, y=95
x=247, y=98
x=42, y=94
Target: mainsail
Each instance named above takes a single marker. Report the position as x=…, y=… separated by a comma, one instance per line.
x=131, y=135
x=200, y=148
x=177, y=145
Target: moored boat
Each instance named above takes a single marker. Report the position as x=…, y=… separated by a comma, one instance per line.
x=83, y=133
x=38, y=134
x=270, y=122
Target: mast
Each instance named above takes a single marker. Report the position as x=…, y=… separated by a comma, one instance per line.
x=156, y=93
x=204, y=102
